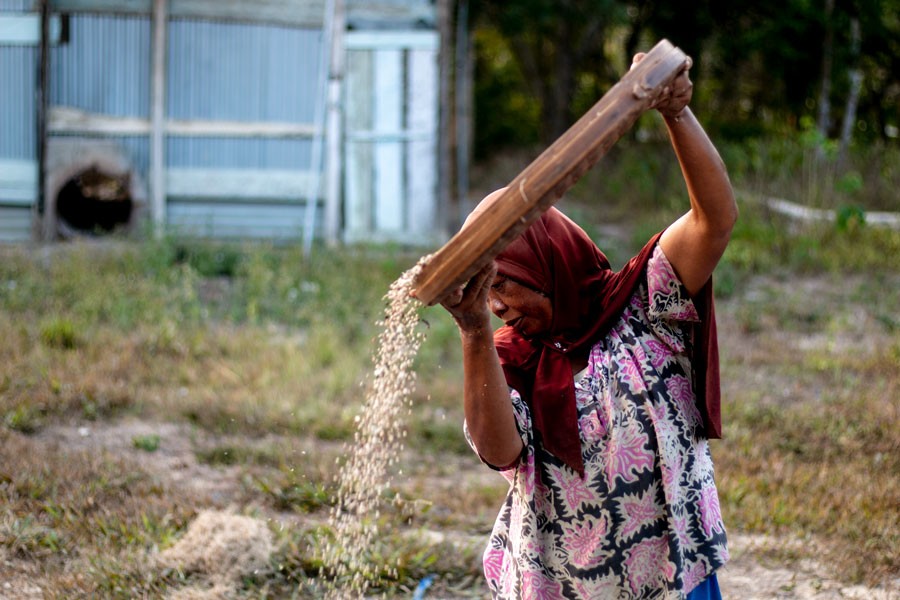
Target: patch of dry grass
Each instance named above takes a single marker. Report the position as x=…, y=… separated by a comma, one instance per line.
x=812, y=434
x=63, y=511
x=268, y=354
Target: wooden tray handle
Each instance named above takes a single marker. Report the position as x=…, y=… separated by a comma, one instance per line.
x=549, y=176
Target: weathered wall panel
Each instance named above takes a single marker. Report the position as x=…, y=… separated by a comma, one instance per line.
x=358, y=172
x=233, y=66
x=388, y=161
x=391, y=135
x=301, y=13
x=422, y=150
x=104, y=67
x=272, y=221
x=15, y=223
x=18, y=133
x=379, y=14
x=17, y=5
x=241, y=72
x=18, y=181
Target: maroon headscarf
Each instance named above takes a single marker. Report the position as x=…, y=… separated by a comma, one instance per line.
x=556, y=257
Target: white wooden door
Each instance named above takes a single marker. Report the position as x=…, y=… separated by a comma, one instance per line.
x=391, y=131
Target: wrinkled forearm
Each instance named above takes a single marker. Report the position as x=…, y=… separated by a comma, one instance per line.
x=708, y=185
x=488, y=410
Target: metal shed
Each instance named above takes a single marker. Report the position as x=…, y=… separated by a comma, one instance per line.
x=290, y=119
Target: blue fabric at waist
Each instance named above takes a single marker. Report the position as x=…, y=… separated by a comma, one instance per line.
x=707, y=590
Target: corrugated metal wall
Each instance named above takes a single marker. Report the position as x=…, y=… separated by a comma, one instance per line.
x=104, y=68
x=245, y=73
x=217, y=71
x=237, y=72
x=17, y=5
x=220, y=71
x=18, y=133
x=17, y=116
x=17, y=65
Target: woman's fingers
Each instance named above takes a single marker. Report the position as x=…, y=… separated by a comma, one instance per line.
x=481, y=282
x=454, y=298
x=637, y=58
x=674, y=97
x=677, y=95
x=471, y=297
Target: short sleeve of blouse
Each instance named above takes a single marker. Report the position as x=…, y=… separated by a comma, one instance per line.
x=523, y=424
x=670, y=306
x=669, y=299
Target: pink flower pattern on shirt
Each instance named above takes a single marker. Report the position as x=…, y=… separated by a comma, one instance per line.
x=647, y=561
x=493, y=562
x=644, y=521
x=659, y=353
x=542, y=504
x=572, y=486
x=583, y=540
x=681, y=529
x=680, y=390
x=632, y=374
x=638, y=511
x=671, y=472
x=710, y=511
x=693, y=576
x=598, y=587
x=666, y=431
x=592, y=427
x=627, y=455
x=540, y=587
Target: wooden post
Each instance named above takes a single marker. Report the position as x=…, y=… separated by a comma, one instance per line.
x=46, y=223
x=445, y=67
x=158, y=116
x=333, y=129
x=463, y=101
x=547, y=178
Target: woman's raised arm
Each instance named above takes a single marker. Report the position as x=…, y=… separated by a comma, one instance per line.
x=696, y=241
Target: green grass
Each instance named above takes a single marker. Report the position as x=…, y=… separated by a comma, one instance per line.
x=811, y=377
x=147, y=443
x=260, y=349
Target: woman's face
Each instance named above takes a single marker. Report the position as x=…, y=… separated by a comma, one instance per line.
x=521, y=307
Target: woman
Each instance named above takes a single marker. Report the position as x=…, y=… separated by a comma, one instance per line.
x=597, y=397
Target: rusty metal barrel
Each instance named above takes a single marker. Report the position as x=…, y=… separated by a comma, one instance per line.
x=549, y=176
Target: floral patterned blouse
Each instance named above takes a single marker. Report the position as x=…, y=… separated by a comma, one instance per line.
x=644, y=522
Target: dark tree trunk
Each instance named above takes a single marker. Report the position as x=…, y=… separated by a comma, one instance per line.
x=856, y=78
x=823, y=121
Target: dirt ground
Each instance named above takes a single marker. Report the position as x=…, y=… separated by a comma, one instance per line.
x=746, y=577
x=750, y=575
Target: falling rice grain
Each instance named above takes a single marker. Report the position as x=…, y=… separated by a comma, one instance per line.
x=377, y=443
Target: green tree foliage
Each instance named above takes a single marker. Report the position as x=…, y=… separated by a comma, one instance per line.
x=558, y=47
x=758, y=63
x=880, y=60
